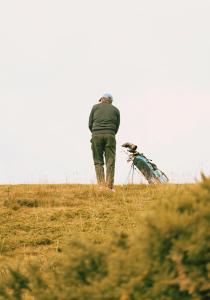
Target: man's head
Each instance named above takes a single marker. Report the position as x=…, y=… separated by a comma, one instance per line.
x=106, y=98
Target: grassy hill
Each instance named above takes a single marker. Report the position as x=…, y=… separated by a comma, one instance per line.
x=38, y=220
x=104, y=239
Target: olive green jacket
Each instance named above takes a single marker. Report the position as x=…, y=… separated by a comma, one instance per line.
x=104, y=118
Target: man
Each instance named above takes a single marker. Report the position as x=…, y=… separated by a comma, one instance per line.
x=104, y=122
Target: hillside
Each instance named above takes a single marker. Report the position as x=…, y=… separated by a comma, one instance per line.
x=39, y=225
x=37, y=220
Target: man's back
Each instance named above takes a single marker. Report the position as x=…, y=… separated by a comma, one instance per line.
x=104, y=118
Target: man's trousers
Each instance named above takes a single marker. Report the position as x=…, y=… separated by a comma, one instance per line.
x=104, y=146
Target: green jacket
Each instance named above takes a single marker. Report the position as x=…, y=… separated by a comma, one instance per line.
x=104, y=118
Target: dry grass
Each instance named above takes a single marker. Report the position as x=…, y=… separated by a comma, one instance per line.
x=42, y=226
x=36, y=221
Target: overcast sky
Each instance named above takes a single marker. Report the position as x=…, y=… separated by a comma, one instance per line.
x=58, y=57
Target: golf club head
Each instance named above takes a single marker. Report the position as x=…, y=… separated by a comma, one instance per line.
x=131, y=147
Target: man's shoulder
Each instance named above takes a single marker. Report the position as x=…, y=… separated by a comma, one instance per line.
x=101, y=106
x=96, y=105
x=116, y=109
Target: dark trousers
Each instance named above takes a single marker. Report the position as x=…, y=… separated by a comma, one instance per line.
x=104, y=146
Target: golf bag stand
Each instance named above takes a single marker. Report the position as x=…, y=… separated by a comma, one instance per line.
x=147, y=168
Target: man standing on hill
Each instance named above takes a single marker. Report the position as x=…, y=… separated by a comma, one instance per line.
x=104, y=122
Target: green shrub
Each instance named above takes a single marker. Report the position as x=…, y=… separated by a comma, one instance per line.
x=166, y=258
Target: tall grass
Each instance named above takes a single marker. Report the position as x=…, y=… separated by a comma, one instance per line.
x=74, y=242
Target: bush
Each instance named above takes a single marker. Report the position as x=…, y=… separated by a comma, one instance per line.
x=167, y=258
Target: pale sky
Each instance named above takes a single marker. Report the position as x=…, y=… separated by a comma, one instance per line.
x=58, y=57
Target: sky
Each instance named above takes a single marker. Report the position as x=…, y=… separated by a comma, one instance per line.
x=58, y=57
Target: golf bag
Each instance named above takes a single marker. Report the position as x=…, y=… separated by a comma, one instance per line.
x=148, y=169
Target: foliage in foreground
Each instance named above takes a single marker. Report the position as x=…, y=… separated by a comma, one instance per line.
x=167, y=258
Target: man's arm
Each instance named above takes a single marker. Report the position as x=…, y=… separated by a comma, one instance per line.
x=91, y=119
x=118, y=121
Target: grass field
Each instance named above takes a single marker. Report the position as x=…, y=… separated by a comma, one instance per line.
x=38, y=222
